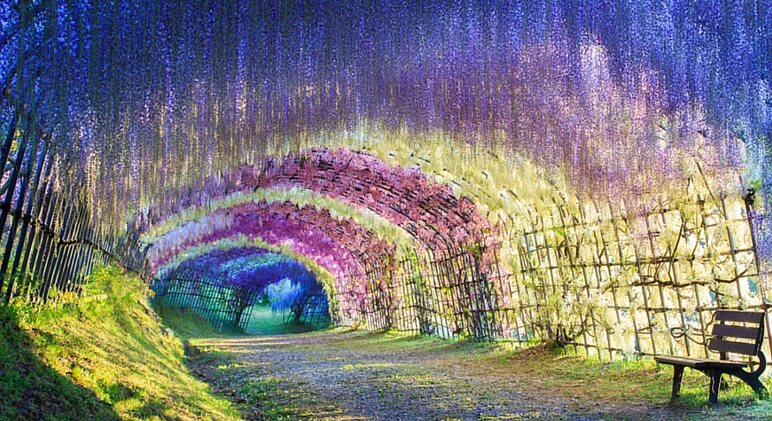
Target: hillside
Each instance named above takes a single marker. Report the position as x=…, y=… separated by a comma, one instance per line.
x=104, y=357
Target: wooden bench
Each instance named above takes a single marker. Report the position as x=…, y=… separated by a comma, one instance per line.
x=734, y=332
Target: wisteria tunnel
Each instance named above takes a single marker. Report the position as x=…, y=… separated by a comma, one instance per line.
x=593, y=175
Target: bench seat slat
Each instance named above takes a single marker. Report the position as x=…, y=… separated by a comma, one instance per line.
x=740, y=316
x=722, y=345
x=735, y=331
x=699, y=362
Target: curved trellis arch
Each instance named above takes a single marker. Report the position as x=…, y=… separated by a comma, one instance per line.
x=448, y=229
x=620, y=116
x=308, y=243
x=385, y=299
x=429, y=211
x=354, y=314
x=358, y=241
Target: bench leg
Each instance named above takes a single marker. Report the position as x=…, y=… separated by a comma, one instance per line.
x=678, y=375
x=715, y=384
x=752, y=381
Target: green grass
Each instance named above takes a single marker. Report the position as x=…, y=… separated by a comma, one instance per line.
x=558, y=368
x=265, y=322
x=185, y=323
x=590, y=379
x=559, y=372
x=29, y=389
x=615, y=380
x=264, y=391
x=99, y=359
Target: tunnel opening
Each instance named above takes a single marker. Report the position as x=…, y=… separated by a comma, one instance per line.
x=245, y=290
x=289, y=306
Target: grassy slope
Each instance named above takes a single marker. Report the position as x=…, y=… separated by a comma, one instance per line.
x=186, y=324
x=99, y=359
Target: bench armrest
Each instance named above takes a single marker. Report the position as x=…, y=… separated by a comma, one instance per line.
x=762, y=363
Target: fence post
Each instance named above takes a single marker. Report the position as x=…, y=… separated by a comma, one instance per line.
x=749, y=211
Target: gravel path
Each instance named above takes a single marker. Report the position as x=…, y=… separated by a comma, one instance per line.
x=351, y=376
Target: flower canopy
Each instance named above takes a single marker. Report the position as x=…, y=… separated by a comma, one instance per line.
x=248, y=268
x=339, y=245
x=588, y=172
x=609, y=93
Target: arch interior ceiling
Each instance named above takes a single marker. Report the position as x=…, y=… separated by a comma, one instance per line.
x=596, y=176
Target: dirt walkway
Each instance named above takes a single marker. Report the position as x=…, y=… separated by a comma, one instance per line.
x=347, y=376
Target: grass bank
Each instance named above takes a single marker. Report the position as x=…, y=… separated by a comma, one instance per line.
x=102, y=359
x=186, y=324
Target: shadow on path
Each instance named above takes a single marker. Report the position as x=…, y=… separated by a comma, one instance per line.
x=352, y=375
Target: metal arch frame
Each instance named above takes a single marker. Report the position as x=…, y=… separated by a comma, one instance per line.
x=441, y=242
x=193, y=286
x=480, y=321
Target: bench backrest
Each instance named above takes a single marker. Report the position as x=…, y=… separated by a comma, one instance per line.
x=737, y=332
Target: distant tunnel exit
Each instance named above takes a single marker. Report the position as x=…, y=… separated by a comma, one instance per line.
x=246, y=289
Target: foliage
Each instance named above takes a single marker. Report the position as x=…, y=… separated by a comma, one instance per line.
x=102, y=358
x=297, y=196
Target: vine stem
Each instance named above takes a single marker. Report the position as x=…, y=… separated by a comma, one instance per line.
x=749, y=199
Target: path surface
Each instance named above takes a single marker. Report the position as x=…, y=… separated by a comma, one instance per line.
x=351, y=376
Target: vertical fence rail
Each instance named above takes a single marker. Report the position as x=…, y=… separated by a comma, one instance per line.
x=48, y=236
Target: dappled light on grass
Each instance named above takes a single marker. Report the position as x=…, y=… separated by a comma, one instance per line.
x=31, y=389
x=265, y=321
x=115, y=351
